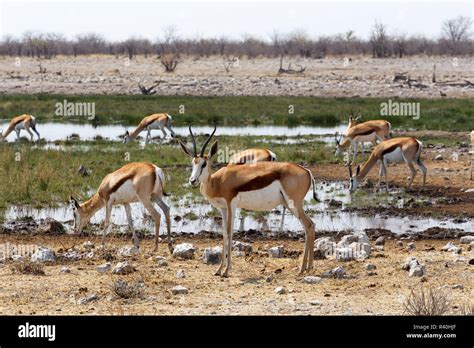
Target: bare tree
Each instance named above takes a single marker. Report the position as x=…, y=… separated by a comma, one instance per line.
x=379, y=40
x=456, y=32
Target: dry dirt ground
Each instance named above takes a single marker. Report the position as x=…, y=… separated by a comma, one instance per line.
x=333, y=76
x=249, y=290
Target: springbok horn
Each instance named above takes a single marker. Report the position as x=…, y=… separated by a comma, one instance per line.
x=335, y=137
x=207, y=141
x=194, y=141
x=350, y=170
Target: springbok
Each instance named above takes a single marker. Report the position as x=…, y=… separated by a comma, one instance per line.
x=369, y=131
x=155, y=121
x=17, y=124
x=395, y=150
x=260, y=186
x=134, y=182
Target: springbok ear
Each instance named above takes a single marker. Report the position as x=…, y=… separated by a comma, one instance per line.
x=358, y=117
x=185, y=149
x=127, y=133
x=358, y=170
x=213, y=150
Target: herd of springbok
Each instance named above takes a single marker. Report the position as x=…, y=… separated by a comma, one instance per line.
x=253, y=179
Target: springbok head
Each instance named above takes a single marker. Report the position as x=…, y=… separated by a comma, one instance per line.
x=354, y=180
x=80, y=217
x=200, y=162
x=126, y=138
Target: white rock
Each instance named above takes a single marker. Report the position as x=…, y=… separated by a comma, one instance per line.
x=362, y=238
x=347, y=239
x=312, y=280
x=128, y=250
x=439, y=158
x=17, y=258
x=358, y=248
x=43, y=254
x=467, y=239
x=184, y=251
x=280, y=290
x=162, y=263
x=276, y=252
x=315, y=303
x=344, y=254
x=87, y=299
x=212, y=256
x=179, y=290
x=410, y=262
x=88, y=245
x=471, y=190
x=180, y=274
x=448, y=246
x=123, y=268
x=72, y=255
x=458, y=286
x=323, y=243
x=411, y=246
x=104, y=268
x=338, y=272
x=241, y=246
x=65, y=269
x=417, y=271
x=380, y=240
x=369, y=266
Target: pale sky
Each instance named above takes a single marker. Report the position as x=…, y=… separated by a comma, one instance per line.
x=118, y=20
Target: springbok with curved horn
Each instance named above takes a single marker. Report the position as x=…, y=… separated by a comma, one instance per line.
x=395, y=150
x=260, y=186
x=155, y=121
x=134, y=182
x=18, y=123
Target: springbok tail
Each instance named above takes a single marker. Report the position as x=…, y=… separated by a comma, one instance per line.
x=313, y=183
x=273, y=157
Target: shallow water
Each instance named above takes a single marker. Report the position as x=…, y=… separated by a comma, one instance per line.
x=324, y=217
x=51, y=131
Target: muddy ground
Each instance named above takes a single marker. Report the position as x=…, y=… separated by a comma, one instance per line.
x=249, y=290
x=357, y=76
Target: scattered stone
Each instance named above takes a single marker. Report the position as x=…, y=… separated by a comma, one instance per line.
x=399, y=243
x=363, y=238
x=448, y=246
x=212, y=256
x=410, y=262
x=88, y=245
x=17, y=258
x=371, y=273
x=338, y=272
x=324, y=247
x=458, y=286
x=179, y=290
x=104, y=268
x=380, y=247
x=315, y=303
x=43, y=254
x=360, y=250
x=347, y=239
x=380, y=241
x=123, y=268
x=269, y=279
x=467, y=239
x=65, y=269
x=369, y=266
x=411, y=246
x=87, y=299
x=51, y=227
x=238, y=253
x=471, y=190
x=276, y=252
x=471, y=261
x=180, y=274
x=280, y=290
x=241, y=246
x=344, y=254
x=439, y=158
x=162, y=263
x=127, y=251
x=184, y=251
x=312, y=280
x=71, y=255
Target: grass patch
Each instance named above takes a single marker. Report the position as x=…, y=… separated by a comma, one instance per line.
x=123, y=289
x=436, y=114
x=27, y=267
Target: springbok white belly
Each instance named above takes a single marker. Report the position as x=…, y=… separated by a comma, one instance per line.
x=20, y=125
x=395, y=156
x=264, y=199
x=125, y=193
x=155, y=125
x=365, y=138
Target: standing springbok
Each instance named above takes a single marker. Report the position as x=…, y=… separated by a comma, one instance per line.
x=369, y=131
x=395, y=150
x=134, y=182
x=155, y=121
x=260, y=186
x=17, y=124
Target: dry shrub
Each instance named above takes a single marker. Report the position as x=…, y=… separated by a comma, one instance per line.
x=126, y=290
x=27, y=267
x=431, y=301
x=169, y=61
x=467, y=308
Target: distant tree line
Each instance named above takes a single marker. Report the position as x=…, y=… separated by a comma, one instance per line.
x=455, y=39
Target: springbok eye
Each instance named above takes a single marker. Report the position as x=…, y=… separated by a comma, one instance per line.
x=204, y=164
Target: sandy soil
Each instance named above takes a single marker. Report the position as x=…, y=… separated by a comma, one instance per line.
x=249, y=289
x=332, y=76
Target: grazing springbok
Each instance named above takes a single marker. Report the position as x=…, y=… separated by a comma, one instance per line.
x=369, y=131
x=134, y=182
x=155, y=121
x=17, y=124
x=395, y=150
x=260, y=186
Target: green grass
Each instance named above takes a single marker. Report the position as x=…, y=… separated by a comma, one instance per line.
x=436, y=114
x=48, y=177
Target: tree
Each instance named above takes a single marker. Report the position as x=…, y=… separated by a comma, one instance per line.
x=379, y=40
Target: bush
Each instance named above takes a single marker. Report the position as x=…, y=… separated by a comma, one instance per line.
x=433, y=301
x=123, y=289
x=27, y=267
